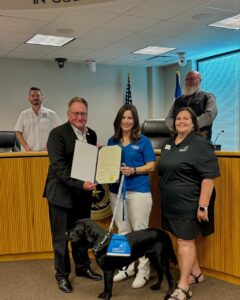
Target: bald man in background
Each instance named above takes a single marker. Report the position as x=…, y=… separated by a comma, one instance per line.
x=201, y=102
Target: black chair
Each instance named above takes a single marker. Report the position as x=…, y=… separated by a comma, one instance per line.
x=157, y=131
x=8, y=140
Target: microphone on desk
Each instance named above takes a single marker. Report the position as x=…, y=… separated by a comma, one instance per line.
x=217, y=147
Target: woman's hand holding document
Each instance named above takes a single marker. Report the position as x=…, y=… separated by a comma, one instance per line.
x=96, y=165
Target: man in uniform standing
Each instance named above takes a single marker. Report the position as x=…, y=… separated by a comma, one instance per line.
x=35, y=123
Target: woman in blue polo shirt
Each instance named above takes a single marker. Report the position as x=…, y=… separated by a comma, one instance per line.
x=187, y=168
x=139, y=159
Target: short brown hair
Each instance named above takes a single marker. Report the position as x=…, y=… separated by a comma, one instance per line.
x=193, y=117
x=33, y=88
x=77, y=99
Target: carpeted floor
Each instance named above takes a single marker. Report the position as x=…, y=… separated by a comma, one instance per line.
x=34, y=280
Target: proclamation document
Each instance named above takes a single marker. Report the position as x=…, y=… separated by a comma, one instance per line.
x=108, y=164
x=99, y=165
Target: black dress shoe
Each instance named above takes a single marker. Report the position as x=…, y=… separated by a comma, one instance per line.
x=89, y=273
x=64, y=285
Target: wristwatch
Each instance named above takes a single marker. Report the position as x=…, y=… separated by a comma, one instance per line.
x=203, y=208
x=134, y=171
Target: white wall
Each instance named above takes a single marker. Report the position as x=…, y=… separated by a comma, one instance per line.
x=152, y=90
x=156, y=93
x=104, y=90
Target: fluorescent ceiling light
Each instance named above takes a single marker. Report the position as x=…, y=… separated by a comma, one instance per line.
x=230, y=23
x=49, y=40
x=153, y=50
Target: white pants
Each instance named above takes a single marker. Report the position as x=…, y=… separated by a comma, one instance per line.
x=137, y=215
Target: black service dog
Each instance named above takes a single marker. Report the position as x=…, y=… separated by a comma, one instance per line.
x=155, y=244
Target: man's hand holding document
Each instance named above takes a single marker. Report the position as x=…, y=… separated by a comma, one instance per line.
x=99, y=165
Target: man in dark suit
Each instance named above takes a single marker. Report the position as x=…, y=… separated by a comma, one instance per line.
x=69, y=199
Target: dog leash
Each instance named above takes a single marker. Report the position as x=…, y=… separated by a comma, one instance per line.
x=110, y=229
x=117, y=202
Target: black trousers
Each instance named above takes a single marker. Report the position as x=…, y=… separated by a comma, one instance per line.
x=62, y=219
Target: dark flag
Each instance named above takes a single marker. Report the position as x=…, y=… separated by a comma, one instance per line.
x=128, y=97
x=178, y=91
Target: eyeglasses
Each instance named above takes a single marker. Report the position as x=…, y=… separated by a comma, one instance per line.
x=190, y=79
x=79, y=114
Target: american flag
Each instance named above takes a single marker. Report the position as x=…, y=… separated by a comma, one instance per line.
x=128, y=97
x=178, y=91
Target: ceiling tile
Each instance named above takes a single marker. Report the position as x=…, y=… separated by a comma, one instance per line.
x=109, y=32
x=62, y=29
x=87, y=17
x=212, y=13
x=14, y=37
x=130, y=23
x=20, y=25
x=108, y=35
x=161, y=9
x=29, y=14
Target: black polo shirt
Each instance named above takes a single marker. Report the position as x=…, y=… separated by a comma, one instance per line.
x=182, y=168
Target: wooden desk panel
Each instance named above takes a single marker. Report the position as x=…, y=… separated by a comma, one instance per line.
x=218, y=253
x=24, y=222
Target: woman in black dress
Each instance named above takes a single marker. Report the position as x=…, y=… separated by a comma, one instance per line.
x=187, y=169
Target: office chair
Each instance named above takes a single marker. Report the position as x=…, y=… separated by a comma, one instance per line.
x=8, y=140
x=157, y=131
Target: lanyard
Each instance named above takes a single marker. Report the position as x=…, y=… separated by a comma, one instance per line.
x=124, y=198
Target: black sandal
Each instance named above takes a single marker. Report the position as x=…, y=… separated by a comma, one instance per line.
x=196, y=278
x=178, y=291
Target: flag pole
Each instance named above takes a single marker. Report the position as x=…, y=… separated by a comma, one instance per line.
x=128, y=95
x=178, y=91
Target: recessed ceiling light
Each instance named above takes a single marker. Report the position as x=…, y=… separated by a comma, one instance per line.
x=230, y=23
x=153, y=50
x=49, y=40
